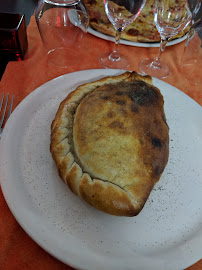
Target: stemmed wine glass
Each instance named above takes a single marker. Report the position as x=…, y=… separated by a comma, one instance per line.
x=191, y=63
x=121, y=13
x=170, y=18
x=194, y=6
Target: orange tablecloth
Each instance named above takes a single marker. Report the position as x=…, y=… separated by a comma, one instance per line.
x=18, y=251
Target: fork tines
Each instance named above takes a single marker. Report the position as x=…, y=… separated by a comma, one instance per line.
x=5, y=110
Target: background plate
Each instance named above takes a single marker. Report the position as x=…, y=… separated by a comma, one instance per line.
x=167, y=234
x=136, y=44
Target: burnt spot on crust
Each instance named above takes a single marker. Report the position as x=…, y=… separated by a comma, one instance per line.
x=105, y=97
x=116, y=124
x=120, y=102
x=133, y=32
x=92, y=2
x=156, y=142
x=94, y=20
x=134, y=108
x=139, y=92
x=158, y=171
x=142, y=94
x=120, y=93
x=110, y=114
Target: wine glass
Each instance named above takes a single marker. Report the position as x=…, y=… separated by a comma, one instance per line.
x=191, y=63
x=62, y=24
x=121, y=13
x=194, y=6
x=171, y=17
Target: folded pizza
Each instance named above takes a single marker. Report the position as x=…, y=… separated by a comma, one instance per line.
x=110, y=142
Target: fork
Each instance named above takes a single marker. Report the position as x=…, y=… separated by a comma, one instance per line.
x=2, y=120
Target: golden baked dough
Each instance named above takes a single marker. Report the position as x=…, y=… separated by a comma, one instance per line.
x=143, y=29
x=110, y=142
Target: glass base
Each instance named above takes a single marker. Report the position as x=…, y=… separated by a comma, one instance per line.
x=107, y=61
x=63, y=57
x=150, y=67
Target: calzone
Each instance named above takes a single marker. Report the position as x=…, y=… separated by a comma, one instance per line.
x=110, y=142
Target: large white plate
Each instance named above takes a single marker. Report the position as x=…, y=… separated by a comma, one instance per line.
x=131, y=43
x=167, y=234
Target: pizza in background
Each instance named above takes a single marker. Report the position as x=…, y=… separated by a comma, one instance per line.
x=143, y=29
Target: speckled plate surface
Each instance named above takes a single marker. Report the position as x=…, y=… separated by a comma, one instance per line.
x=167, y=234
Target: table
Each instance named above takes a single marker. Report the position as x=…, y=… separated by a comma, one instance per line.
x=17, y=249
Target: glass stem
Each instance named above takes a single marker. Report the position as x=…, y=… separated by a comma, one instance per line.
x=163, y=44
x=115, y=55
x=162, y=48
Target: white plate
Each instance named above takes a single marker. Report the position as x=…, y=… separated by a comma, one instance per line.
x=131, y=43
x=167, y=234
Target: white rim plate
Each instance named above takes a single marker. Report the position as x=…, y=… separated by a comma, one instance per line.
x=131, y=43
x=167, y=234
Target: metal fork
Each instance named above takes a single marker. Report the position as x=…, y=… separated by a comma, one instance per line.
x=2, y=120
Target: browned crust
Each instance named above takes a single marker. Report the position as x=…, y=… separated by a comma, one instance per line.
x=108, y=29
x=109, y=197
